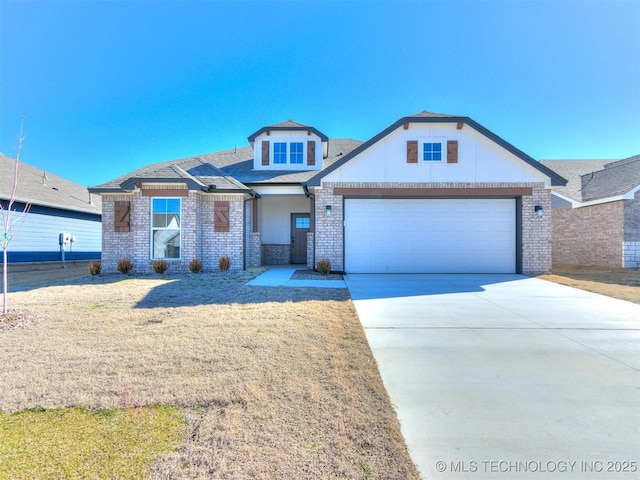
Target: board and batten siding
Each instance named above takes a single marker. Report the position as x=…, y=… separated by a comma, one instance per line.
x=478, y=159
x=36, y=237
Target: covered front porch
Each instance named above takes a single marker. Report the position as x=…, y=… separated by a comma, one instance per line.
x=281, y=229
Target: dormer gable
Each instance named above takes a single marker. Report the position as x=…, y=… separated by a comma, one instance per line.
x=289, y=146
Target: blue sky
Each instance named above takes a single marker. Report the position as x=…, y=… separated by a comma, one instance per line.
x=110, y=86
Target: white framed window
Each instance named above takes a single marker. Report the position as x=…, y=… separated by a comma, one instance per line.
x=165, y=228
x=296, y=155
x=432, y=150
x=279, y=152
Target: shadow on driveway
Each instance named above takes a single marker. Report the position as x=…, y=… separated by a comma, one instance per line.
x=378, y=286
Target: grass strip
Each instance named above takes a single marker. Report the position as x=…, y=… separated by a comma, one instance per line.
x=70, y=443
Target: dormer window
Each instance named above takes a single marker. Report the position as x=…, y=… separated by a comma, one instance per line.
x=289, y=146
x=296, y=152
x=279, y=152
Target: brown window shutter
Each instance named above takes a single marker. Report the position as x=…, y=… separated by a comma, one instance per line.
x=311, y=152
x=265, y=153
x=412, y=151
x=221, y=217
x=452, y=151
x=122, y=216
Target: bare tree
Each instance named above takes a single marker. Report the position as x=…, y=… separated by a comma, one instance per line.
x=12, y=219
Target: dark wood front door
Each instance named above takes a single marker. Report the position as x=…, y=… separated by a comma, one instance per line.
x=299, y=228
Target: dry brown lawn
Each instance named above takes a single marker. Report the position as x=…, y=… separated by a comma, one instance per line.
x=622, y=283
x=273, y=382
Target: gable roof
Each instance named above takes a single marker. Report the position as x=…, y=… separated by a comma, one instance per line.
x=287, y=126
x=432, y=117
x=229, y=170
x=195, y=171
x=45, y=189
x=592, y=180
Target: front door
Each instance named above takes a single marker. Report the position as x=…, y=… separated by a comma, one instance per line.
x=299, y=230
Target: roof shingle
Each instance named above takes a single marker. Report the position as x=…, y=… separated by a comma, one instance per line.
x=45, y=189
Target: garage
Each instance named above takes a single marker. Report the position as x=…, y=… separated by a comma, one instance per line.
x=430, y=235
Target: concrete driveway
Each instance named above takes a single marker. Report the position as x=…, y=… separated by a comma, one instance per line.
x=505, y=376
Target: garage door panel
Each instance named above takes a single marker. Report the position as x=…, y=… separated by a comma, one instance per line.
x=430, y=236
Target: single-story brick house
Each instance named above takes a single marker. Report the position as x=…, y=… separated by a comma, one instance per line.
x=596, y=216
x=430, y=193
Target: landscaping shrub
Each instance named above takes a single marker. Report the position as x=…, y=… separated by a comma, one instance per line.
x=160, y=266
x=94, y=267
x=195, y=265
x=224, y=263
x=125, y=266
x=324, y=266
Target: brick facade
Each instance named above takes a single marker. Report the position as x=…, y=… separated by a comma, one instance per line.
x=198, y=238
x=631, y=244
x=535, y=235
x=276, y=253
x=310, y=257
x=632, y=219
x=589, y=235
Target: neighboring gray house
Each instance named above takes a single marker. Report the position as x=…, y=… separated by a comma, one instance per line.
x=596, y=216
x=57, y=206
x=430, y=193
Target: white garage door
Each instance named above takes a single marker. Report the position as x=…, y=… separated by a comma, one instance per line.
x=430, y=236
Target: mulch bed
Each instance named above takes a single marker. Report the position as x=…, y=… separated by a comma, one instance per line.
x=18, y=318
x=311, y=275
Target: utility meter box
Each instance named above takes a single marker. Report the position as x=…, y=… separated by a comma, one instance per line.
x=64, y=238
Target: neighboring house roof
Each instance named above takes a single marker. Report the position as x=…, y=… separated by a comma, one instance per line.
x=593, y=180
x=431, y=117
x=228, y=170
x=45, y=189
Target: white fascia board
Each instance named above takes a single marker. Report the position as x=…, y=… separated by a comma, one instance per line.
x=630, y=195
x=574, y=203
x=279, y=190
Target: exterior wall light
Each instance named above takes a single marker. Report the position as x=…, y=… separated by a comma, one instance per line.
x=327, y=210
x=538, y=209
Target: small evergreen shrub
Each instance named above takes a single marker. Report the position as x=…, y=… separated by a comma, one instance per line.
x=124, y=266
x=195, y=265
x=224, y=263
x=324, y=266
x=94, y=267
x=159, y=266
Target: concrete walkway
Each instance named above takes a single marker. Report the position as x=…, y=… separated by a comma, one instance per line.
x=280, y=276
x=505, y=376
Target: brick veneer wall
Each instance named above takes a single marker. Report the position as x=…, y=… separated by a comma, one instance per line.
x=588, y=235
x=276, y=253
x=254, y=250
x=216, y=244
x=310, y=259
x=631, y=244
x=536, y=232
x=535, y=238
x=632, y=219
x=115, y=245
x=198, y=238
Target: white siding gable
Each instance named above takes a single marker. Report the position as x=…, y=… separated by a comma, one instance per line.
x=479, y=159
x=288, y=137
